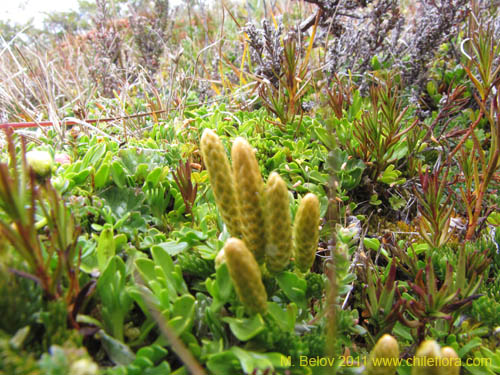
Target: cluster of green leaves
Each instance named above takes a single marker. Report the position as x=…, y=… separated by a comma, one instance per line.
x=121, y=242
x=131, y=204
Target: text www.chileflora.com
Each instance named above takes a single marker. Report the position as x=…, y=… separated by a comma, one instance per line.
x=384, y=362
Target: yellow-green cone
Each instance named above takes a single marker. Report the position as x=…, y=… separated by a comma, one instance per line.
x=383, y=359
x=427, y=358
x=278, y=223
x=221, y=180
x=220, y=259
x=249, y=189
x=450, y=362
x=246, y=276
x=306, y=232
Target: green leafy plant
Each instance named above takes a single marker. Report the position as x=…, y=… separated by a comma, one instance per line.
x=116, y=302
x=383, y=301
x=149, y=360
x=471, y=269
x=283, y=97
x=486, y=310
x=159, y=198
x=348, y=170
x=480, y=165
x=433, y=301
x=15, y=360
x=183, y=180
x=343, y=214
x=382, y=130
x=435, y=208
x=489, y=362
x=339, y=95
x=391, y=176
x=164, y=288
x=67, y=360
x=21, y=198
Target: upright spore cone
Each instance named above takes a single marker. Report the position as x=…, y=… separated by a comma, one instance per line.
x=221, y=179
x=306, y=232
x=426, y=360
x=249, y=189
x=383, y=357
x=278, y=223
x=246, y=276
x=451, y=362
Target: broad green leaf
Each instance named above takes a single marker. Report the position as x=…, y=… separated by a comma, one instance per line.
x=87, y=319
x=132, y=158
x=223, y=283
x=252, y=360
x=494, y=219
x=123, y=201
x=390, y=176
x=183, y=313
x=93, y=155
x=152, y=352
x=120, y=241
x=117, y=351
x=154, y=177
x=118, y=174
x=476, y=342
x=371, y=243
x=102, y=175
x=294, y=287
x=142, y=363
x=402, y=331
x=141, y=172
x=163, y=259
x=281, y=317
x=173, y=247
x=106, y=247
x=224, y=363
x=246, y=328
x=146, y=267
x=325, y=136
x=80, y=177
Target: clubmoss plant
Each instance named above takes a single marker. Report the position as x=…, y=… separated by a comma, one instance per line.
x=221, y=179
x=430, y=359
x=278, y=223
x=306, y=232
x=258, y=213
x=453, y=361
x=428, y=353
x=249, y=189
x=384, y=356
x=246, y=276
x=220, y=259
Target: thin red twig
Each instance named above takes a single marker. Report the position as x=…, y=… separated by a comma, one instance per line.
x=20, y=125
